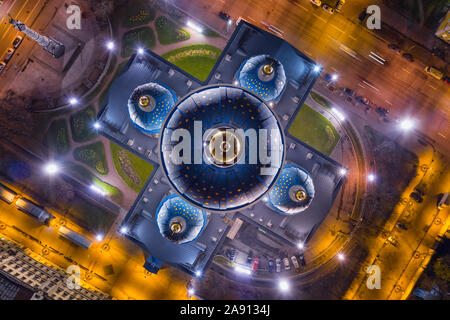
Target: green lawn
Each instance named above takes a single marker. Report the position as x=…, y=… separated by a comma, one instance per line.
x=196, y=59
x=320, y=100
x=92, y=155
x=137, y=13
x=141, y=37
x=314, y=129
x=169, y=32
x=57, y=137
x=133, y=170
x=81, y=124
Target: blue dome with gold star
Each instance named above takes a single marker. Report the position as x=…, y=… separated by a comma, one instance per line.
x=226, y=133
x=264, y=76
x=149, y=105
x=293, y=191
x=178, y=221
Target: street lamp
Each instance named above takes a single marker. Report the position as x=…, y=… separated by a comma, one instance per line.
x=140, y=51
x=99, y=237
x=51, y=168
x=198, y=273
x=240, y=269
x=334, y=77
x=123, y=230
x=194, y=26
x=191, y=291
x=96, y=125
x=371, y=177
x=98, y=190
x=338, y=114
x=73, y=101
x=341, y=257
x=283, y=285
x=317, y=68
x=300, y=245
x=110, y=45
x=343, y=171
x=406, y=124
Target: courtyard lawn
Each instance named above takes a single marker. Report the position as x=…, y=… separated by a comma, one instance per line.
x=81, y=124
x=93, y=155
x=196, y=59
x=141, y=37
x=169, y=32
x=137, y=13
x=133, y=170
x=57, y=137
x=320, y=100
x=314, y=129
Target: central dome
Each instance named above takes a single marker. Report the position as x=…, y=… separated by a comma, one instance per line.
x=221, y=148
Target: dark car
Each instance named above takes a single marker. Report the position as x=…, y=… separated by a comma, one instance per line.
x=394, y=47
x=349, y=92
x=301, y=259
x=271, y=265
x=408, y=57
x=17, y=41
x=446, y=79
x=416, y=197
x=401, y=226
x=419, y=191
x=225, y=16
x=232, y=254
x=382, y=111
x=249, y=258
x=362, y=15
x=328, y=77
x=363, y=100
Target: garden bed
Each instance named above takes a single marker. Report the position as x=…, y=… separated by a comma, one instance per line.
x=93, y=155
x=81, y=124
x=57, y=137
x=141, y=37
x=137, y=13
x=169, y=32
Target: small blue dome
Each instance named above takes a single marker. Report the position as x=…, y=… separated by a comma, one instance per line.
x=262, y=75
x=178, y=221
x=149, y=105
x=293, y=191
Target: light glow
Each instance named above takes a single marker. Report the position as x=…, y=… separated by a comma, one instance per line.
x=240, y=269
x=317, y=68
x=339, y=114
x=51, y=168
x=334, y=77
x=371, y=177
x=98, y=190
x=194, y=26
x=283, y=285
x=110, y=45
x=406, y=124
x=73, y=101
x=99, y=237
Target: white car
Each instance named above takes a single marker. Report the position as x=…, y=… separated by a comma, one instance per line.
x=287, y=266
x=295, y=262
x=316, y=2
x=278, y=264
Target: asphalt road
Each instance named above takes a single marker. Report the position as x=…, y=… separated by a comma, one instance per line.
x=400, y=86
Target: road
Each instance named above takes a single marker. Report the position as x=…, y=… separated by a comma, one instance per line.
x=401, y=86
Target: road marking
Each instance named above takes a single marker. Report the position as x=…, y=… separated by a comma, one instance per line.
x=387, y=101
x=405, y=70
x=320, y=18
x=299, y=5
x=441, y=135
x=307, y=52
x=351, y=37
x=250, y=18
x=337, y=28
x=432, y=87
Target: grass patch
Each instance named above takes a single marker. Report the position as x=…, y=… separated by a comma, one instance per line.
x=91, y=217
x=169, y=32
x=57, y=137
x=320, y=100
x=137, y=13
x=93, y=155
x=88, y=178
x=314, y=129
x=210, y=33
x=144, y=37
x=133, y=170
x=196, y=59
x=81, y=125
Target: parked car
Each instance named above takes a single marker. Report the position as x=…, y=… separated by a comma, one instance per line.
x=301, y=259
x=225, y=16
x=339, y=5
x=401, y=226
x=8, y=54
x=349, y=92
x=416, y=197
x=250, y=258
x=363, y=100
x=443, y=200
x=394, y=47
x=382, y=111
x=232, y=254
x=408, y=57
x=392, y=241
x=419, y=191
x=328, y=77
x=434, y=72
x=316, y=2
x=295, y=262
x=287, y=265
x=271, y=265
x=327, y=8
x=2, y=66
x=255, y=264
x=7, y=194
x=446, y=79
x=362, y=15
x=17, y=41
x=278, y=265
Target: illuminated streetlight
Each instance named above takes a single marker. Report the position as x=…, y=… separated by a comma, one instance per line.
x=191, y=291
x=300, y=245
x=317, y=68
x=339, y=114
x=334, y=77
x=371, y=177
x=51, y=168
x=230, y=21
x=283, y=285
x=240, y=269
x=194, y=26
x=343, y=171
x=236, y=83
x=96, y=125
x=73, y=101
x=198, y=273
x=341, y=257
x=98, y=190
x=140, y=51
x=99, y=237
x=123, y=230
x=406, y=124
x=110, y=45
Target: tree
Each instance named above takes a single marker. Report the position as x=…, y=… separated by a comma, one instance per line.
x=102, y=8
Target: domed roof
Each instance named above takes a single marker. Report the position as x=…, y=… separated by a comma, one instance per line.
x=262, y=75
x=223, y=171
x=178, y=221
x=149, y=105
x=293, y=191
